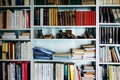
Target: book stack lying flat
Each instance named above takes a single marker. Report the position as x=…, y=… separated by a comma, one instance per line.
x=25, y=35
x=77, y=53
x=8, y=35
x=42, y=53
x=87, y=52
x=88, y=72
x=61, y=56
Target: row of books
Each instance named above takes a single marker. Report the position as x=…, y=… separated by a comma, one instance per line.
x=63, y=71
x=55, y=17
x=109, y=54
x=14, y=35
x=15, y=70
x=109, y=35
x=64, y=2
x=109, y=2
x=15, y=50
x=15, y=19
x=109, y=15
x=109, y=72
x=14, y=2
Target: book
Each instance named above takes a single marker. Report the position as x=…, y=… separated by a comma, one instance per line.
x=61, y=56
x=37, y=17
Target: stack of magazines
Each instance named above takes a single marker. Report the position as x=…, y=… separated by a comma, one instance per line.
x=42, y=53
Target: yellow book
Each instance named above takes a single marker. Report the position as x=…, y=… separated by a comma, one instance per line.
x=3, y=51
x=72, y=73
x=8, y=12
x=111, y=73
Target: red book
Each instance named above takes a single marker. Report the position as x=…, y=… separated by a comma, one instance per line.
x=94, y=19
x=78, y=18
x=28, y=19
x=78, y=71
x=93, y=13
x=83, y=18
x=24, y=71
x=4, y=19
x=90, y=15
x=87, y=18
x=11, y=50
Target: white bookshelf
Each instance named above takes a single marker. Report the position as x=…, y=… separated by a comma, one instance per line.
x=62, y=45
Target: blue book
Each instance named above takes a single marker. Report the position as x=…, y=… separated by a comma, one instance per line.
x=44, y=50
x=65, y=71
x=19, y=2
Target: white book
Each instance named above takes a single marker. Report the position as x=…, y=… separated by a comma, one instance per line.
x=40, y=71
x=41, y=16
x=36, y=71
x=23, y=37
x=13, y=2
x=8, y=36
x=109, y=57
x=117, y=53
x=114, y=14
x=115, y=72
x=110, y=2
x=51, y=71
x=104, y=2
x=28, y=47
x=24, y=18
x=22, y=48
x=26, y=2
x=9, y=33
x=118, y=72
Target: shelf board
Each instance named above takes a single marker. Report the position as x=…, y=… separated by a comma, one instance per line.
x=109, y=5
x=65, y=6
x=112, y=63
x=64, y=26
x=14, y=29
x=15, y=39
x=22, y=6
x=67, y=39
x=109, y=24
x=38, y=60
x=109, y=44
x=14, y=60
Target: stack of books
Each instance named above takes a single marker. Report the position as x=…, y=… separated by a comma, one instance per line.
x=87, y=52
x=42, y=53
x=8, y=35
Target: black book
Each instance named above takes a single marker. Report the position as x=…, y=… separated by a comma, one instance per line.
x=76, y=2
x=105, y=15
x=1, y=77
x=39, y=2
x=0, y=49
x=46, y=17
x=111, y=15
x=103, y=36
x=100, y=15
x=118, y=35
x=37, y=17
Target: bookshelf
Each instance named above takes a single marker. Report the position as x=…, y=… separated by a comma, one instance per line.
x=50, y=33
x=30, y=29
x=109, y=46
x=15, y=40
